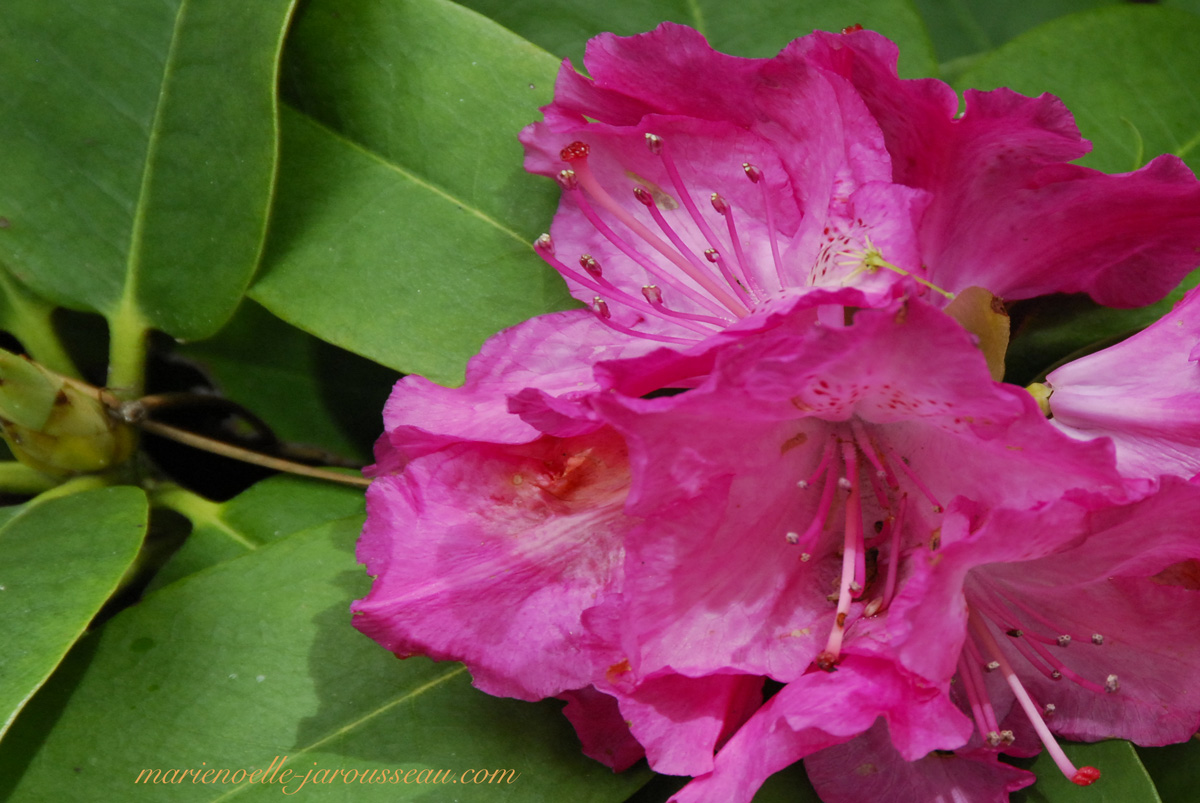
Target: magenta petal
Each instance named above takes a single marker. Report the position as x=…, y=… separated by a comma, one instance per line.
x=812, y=713
x=869, y=768
x=602, y=730
x=1144, y=393
x=1008, y=212
x=681, y=721
x=554, y=353
x=477, y=556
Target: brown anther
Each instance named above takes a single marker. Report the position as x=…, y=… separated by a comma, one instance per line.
x=712, y=254
x=643, y=196
x=652, y=294
x=827, y=661
x=719, y=204
x=752, y=172
x=1056, y=675
x=1063, y=641
x=655, y=143
x=601, y=307
x=1014, y=632
x=1112, y=684
x=544, y=243
x=589, y=263
x=1097, y=639
x=991, y=666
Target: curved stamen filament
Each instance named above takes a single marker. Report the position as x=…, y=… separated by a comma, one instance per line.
x=647, y=200
x=889, y=588
x=756, y=176
x=587, y=181
x=921, y=486
x=657, y=146
x=605, y=316
x=725, y=209
x=648, y=264
x=654, y=296
x=1084, y=776
x=852, y=547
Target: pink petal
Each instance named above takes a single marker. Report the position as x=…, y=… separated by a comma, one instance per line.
x=815, y=712
x=477, y=556
x=601, y=728
x=553, y=352
x=869, y=768
x=1144, y=393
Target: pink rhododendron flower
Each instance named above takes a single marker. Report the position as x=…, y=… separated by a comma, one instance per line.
x=702, y=189
x=1062, y=627
x=1144, y=393
x=768, y=454
x=817, y=459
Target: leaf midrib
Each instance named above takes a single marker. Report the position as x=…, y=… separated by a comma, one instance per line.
x=408, y=175
x=449, y=674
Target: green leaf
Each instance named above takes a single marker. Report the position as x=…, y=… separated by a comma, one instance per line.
x=139, y=149
x=256, y=659
x=1123, y=779
x=1173, y=769
x=404, y=222
x=265, y=512
x=1127, y=73
x=308, y=391
x=757, y=29
x=962, y=27
x=60, y=560
x=1052, y=328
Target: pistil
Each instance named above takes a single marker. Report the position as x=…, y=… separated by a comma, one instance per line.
x=1084, y=776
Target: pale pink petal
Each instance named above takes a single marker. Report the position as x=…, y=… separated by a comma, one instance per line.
x=1144, y=393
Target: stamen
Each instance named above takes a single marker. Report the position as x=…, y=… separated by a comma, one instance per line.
x=726, y=211
x=889, y=587
x=1084, y=776
x=647, y=200
x=826, y=456
x=686, y=197
x=605, y=316
x=654, y=296
x=756, y=176
x=585, y=179
x=1097, y=639
x=852, y=545
x=714, y=256
x=648, y=264
x=912, y=475
x=595, y=281
x=792, y=538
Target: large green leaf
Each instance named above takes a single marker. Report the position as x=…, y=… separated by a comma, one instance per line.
x=756, y=28
x=60, y=560
x=1123, y=779
x=139, y=152
x=266, y=512
x=307, y=390
x=963, y=27
x=255, y=659
x=1173, y=769
x=404, y=224
x=1128, y=73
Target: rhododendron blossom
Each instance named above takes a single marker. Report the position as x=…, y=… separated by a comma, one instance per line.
x=773, y=454
x=701, y=190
